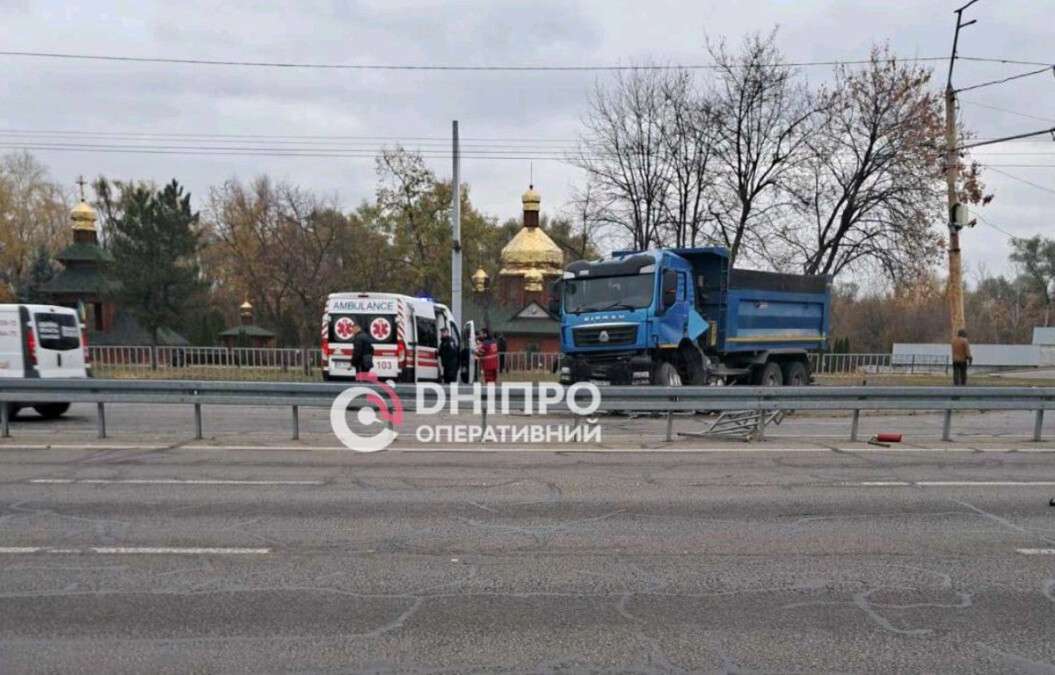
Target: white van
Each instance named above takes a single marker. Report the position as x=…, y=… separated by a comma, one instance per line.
x=405, y=332
x=42, y=341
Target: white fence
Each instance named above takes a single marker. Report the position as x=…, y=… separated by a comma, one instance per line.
x=249, y=363
x=306, y=364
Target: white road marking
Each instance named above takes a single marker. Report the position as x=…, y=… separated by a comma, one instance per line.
x=146, y=550
x=166, y=481
x=1036, y=551
x=132, y=550
x=954, y=483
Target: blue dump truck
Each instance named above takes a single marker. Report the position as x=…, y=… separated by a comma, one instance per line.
x=684, y=316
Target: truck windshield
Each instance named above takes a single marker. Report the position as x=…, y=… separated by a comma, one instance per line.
x=625, y=292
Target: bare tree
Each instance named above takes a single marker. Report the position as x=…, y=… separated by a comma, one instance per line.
x=871, y=187
x=33, y=218
x=624, y=153
x=689, y=137
x=278, y=244
x=587, y=210
x=764, y=119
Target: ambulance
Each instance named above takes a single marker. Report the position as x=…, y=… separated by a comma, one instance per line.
x=405, y=333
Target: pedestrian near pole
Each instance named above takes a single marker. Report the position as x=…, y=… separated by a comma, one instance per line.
x=456, y=229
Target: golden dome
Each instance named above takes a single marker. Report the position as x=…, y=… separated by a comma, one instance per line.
x=245, y=306
x=83, y=217
x=531, y=199
x=531, y=249
x=533, y=280
x=480, y=280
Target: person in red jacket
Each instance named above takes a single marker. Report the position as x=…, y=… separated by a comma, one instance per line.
x=487, y=352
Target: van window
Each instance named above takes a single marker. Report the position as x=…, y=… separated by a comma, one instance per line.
x=59, y=332
x=426, y=332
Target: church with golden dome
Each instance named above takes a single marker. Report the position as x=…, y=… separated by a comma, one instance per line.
x=515, y=304
x=86, y=282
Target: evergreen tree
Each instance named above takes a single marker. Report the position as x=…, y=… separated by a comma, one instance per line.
x=41, y=271
x=155, y=242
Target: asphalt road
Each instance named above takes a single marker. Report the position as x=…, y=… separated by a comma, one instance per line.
x=269, y=560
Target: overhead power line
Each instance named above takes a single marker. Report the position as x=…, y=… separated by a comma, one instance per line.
x=1008, y=111
x=1022, y=180
x=990, y=83
x=322, y=137
x=432, y=67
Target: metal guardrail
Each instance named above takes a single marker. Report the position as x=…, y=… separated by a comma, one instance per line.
x=645, y=399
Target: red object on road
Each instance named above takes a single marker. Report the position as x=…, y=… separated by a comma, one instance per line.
x=888, y=438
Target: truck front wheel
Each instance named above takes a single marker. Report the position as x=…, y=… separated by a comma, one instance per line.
x=666, y=375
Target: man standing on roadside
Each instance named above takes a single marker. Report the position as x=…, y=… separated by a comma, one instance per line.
x=449, y=357
x=503, y=347
x=362, y=352
x=961, y=358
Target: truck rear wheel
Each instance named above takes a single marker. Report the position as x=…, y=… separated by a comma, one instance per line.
x=666, y=375
x=795, y=374
x=770, y=375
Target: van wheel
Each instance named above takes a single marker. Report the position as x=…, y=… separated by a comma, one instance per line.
x=795, y=374
x=666, y=375
x=51, y=410
x=770, y=375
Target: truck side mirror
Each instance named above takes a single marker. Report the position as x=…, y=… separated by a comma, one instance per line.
x=554, y=298
x=670, y=288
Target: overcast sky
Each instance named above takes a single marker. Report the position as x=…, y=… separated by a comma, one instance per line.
x=536, y=110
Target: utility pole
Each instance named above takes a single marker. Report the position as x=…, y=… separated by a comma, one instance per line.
x=456, y=227
x=952, y=174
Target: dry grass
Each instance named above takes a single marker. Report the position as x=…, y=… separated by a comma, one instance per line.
x=919, y=380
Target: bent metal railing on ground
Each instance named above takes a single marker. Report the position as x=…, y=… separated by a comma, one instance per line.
x=663, y=400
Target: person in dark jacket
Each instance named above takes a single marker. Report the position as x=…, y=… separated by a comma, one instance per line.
x=362, y=351
x=449, y=357
x=961, y=358
x=503, y=347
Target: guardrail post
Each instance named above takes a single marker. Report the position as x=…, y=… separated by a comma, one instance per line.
x=197, y=421
x=100, y=419
x=1038, y=425
x=854, y=426
x=5, y=419
x=670, y=425
x=296, y=423
x=946, y=427
x=760, y=426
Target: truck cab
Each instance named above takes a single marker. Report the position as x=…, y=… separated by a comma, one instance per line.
x=683, y=316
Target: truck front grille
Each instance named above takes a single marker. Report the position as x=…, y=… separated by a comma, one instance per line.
x=605, y=336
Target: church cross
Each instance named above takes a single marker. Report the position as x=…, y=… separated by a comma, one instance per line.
x=80, y=181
